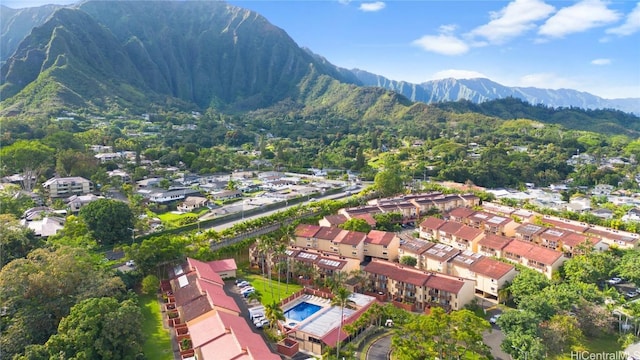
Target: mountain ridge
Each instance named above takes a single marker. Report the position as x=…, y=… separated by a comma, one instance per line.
x=482, y=89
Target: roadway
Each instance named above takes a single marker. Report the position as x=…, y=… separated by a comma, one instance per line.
x=229, y=224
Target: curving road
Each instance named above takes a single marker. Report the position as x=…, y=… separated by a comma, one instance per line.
x=380, y=349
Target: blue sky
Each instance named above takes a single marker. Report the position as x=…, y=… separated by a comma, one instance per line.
x=587, y=45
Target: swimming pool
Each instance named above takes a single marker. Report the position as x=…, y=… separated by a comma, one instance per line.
x=302, y=311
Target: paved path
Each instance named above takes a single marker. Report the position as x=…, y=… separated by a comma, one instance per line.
x=380, y=349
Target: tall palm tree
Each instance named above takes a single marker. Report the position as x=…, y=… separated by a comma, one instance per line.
x=273, y=313
x=341, y=299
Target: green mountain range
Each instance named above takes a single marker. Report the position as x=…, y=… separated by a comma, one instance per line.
x=195, y=55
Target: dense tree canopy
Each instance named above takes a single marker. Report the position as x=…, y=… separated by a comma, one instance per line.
x=110, y=221
x=40, y=289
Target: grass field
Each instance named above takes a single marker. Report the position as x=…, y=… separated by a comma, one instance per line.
x=600, y=345
x=171, y=218
x=158, y=342
x=279, y=288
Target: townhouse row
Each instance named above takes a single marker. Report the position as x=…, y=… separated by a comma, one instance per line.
x=346, y=250
x=208, y=324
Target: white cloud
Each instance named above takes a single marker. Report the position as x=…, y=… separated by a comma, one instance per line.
x=579, y=17
x=546, y=81
x=601, y=62
x=513, y=20
x=444, y=44
x=374, y=6
x=630, y=26
x=458, y=74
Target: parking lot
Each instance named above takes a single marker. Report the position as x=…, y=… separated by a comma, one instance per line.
x=628, y=289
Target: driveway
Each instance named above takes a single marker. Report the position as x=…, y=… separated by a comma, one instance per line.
x=232, y=290
x=380, y=349
x=493, y=338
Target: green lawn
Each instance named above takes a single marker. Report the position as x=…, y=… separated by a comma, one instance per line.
x=171, y=218
x=600, y=345
x=279, y=288
x=158, y=340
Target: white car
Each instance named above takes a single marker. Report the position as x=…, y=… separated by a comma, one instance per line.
x=243, y=284
x=614, y=281
x=247, y=290
x=131, y=263
x=494, y=318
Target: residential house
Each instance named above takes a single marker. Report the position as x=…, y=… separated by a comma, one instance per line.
x=602, y=189
x=460, y=215
x=220, y=336
x=529, y=232
x=533, y=256
x=193, y=203
x=493, y=245
x=214, y=322
x=492, y=275
x=576, y=244
x=632, y=215
x=45, y=226
x=417, y=288
x=382, y=245
x=416, y=249
x=333, y=220
x=304, y=236
x=437, y=257
x=603, y=213
x=617, y=238
x=76, y=202
x=429, y=228
x=226, y=195
x=64, y=187
x=161, y=196
x=148, y=183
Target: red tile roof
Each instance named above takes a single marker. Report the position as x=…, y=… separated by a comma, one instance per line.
x=223, y=265
x=328, y=233
x=468, y=233
x=450, y=227
x=494, y=241
x=397, y=272
x=221, y=336
x=533, y=252
x=574, y=239
x=195, y=308
x=335, y=220
x=306, y=231
x=218, y=297
x=442, y=283
x=351, y=238
x=432, y=223
x=205, y=271
x=366, y=217
x=378, y=237
x=491, y=268
x=461, y=212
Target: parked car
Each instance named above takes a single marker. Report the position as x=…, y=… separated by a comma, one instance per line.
x=614, y=281
x=262, y=323
x=494, y=318
x=246, y=291
x=257, y=316
x=131, y=263
x=631, y=293
x=243, y=284
x=238, y=281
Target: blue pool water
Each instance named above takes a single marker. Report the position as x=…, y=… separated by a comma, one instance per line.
x=302, y=311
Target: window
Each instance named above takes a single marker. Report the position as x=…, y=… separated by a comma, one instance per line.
x=384, y=246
